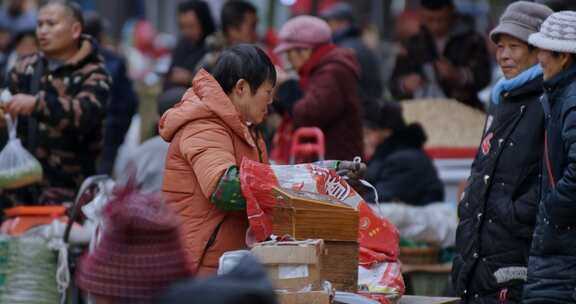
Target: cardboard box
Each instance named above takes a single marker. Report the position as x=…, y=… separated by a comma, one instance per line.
x=309, y=297
x=292, y=266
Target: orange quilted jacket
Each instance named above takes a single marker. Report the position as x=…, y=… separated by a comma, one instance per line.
x=207, y=136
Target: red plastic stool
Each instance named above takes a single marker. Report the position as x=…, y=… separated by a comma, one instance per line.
x=307, y=142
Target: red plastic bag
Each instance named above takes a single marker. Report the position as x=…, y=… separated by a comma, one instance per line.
x=257, y=180
x=378, y=236
x=379, y=278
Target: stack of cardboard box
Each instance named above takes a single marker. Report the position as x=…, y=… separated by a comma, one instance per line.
x=304, y=215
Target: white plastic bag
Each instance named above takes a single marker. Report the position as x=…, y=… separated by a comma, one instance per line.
x=18, y=168
x=230, y=259
x=94, y=211
x=434, y=224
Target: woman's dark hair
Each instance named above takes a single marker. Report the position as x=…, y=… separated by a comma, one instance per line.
x=21, y=35
x=202, y=11
x=386, y=116
x=556, y=54
x=233, y=13
x=244, y=61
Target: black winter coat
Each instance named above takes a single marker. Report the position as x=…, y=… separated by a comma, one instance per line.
x=401, y=171
x=498, y=210
x=552, y=266
x=122, y=105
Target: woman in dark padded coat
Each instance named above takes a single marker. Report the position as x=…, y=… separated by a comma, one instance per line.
x=552, y=265
x=498, y=209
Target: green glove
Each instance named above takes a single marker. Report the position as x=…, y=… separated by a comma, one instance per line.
x=228, y=194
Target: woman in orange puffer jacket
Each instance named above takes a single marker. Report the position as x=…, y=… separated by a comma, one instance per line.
x=210, y=131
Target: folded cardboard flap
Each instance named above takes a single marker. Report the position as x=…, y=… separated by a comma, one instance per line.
x=298, y=252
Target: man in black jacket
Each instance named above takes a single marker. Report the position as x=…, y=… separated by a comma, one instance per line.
x=64, y=89
x=447, y=58
x=499, y=206
x=196, y=24
x=346, y=34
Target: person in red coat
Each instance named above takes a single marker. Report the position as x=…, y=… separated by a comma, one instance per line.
x=329, y=79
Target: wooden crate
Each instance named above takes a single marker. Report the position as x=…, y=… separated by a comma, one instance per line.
x=305, y=215
x=340, y=265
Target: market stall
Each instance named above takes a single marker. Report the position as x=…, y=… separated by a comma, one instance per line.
x=314, y=207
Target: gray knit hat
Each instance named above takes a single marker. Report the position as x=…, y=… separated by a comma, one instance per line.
x=521, y=19
x=558, y=33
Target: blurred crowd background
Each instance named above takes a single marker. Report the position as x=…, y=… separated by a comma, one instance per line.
x=152, y=46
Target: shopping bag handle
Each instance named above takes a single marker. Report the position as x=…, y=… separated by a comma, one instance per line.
x=12, y=124
x=88, y=182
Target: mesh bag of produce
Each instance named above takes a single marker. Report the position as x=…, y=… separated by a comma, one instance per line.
x=4, y=241
x=18, y=167
x=30, y=273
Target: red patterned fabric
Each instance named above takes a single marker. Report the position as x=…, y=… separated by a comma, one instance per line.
x=140, y=252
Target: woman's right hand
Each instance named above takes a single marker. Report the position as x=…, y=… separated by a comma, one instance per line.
x=412, y=82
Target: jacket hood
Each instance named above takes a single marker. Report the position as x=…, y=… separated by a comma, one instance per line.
x=204, y=100
x=342, y=56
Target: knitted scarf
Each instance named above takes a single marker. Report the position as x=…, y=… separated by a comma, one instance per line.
x=507, y=85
